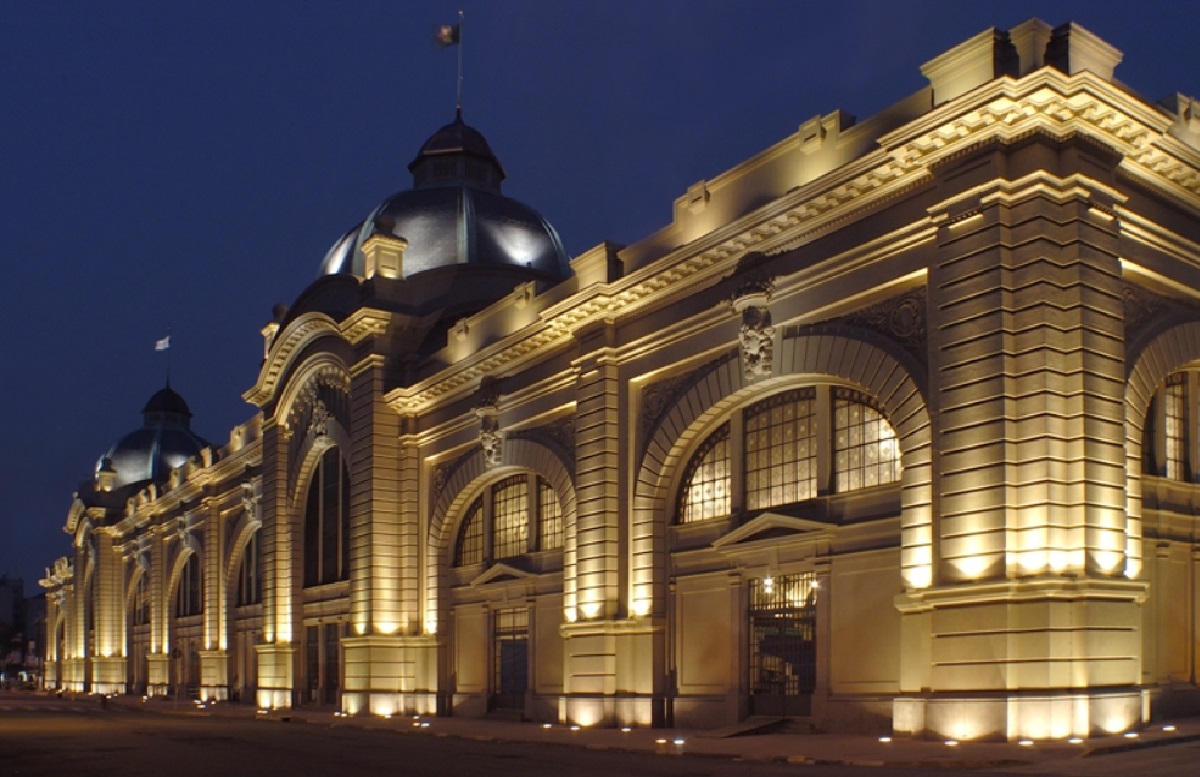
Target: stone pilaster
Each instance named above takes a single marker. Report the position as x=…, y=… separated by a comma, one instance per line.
x=214, y=657
x=281, y=562
x=1027, y=354
x=377, y=565
x=613, y=666
x=108, y=663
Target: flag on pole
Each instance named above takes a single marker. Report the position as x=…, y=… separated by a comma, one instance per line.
x=447, y=35
x=163, y=344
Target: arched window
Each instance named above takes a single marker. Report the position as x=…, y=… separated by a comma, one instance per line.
x=141, y=601
x=469, y=549
x=866, y=453
x=510, y=517
x=249, y=582
x=706, y=481
x=327, y=522
x=550, y=528
x=1170, y=429
x=505, y=522
x=189, y=594
x=793, y=446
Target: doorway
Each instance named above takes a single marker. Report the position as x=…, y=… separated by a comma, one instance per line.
x=510, y=671
x=783, y=655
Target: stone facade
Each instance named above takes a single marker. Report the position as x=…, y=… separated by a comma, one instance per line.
x=893, y=427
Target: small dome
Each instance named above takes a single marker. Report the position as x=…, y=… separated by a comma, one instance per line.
x=455, y=214
x=457, y=139
x=164, y=441
x=167, y=400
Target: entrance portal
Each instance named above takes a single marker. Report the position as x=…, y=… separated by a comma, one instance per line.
x=510, y=675
x=783, y=644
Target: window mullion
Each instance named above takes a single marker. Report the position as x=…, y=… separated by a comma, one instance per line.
x=1191, y=438
x=824, y=430
x=737, y=463
x=533, y=514
x=486, y=523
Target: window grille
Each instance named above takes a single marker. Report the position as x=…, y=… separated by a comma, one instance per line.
x=706, y=481
x=781, y=450
x=866, y=452
x=550, y=534
x=510, y=517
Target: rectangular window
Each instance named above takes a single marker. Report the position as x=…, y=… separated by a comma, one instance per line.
x=781, y=450
x=510, y=517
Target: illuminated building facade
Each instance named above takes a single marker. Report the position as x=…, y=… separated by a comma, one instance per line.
x=894, y=426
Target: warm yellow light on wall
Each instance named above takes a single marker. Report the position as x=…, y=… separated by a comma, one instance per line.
x=590, y=610
x=431, y=623
x=971, y=566
x=386, y=627
x=919, y=577
x=640, y=608
x=1107, y=560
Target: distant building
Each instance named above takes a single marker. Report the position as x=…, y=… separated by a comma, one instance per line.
x=894, y=426
x=12, y=597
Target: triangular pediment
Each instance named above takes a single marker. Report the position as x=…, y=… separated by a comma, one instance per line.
x=772, y=527
x=502, y=573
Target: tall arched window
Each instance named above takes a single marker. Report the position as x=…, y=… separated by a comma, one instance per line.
x=327, y=521
x=469, y=548
x=706, y=481
x=141, y=601
x=1169, y=445
x=249, y=583
x=793, y=446
x=189, y=593
x=506, y=521
x=866, y=453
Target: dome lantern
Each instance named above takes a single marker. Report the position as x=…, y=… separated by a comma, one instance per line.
x=455, y=214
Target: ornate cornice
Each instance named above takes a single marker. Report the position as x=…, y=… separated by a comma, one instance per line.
x=285, y=350
x=364, y=323
x=1006, y=109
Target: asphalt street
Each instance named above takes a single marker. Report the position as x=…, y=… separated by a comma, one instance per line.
x=44, y=736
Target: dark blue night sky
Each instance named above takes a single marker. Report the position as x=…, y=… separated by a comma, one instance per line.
x=187, y=165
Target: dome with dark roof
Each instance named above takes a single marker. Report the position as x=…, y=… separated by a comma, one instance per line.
x=455, y=214
x=164, y=441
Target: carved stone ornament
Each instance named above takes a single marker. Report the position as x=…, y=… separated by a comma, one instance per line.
x=488, y=411
x=490, y=437
x=756, y=336
x=183, y=528
x=252, y=501
x=318, y=424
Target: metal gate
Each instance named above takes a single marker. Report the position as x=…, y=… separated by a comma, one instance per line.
x=783, y=653
x=510, y=676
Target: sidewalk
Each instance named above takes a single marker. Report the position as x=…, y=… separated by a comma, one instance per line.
x=824, y=749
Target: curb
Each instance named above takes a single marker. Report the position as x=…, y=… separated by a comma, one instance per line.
x=1139, y=744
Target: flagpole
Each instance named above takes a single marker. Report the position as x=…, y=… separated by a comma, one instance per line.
x=460, y=68
x=168, y=356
